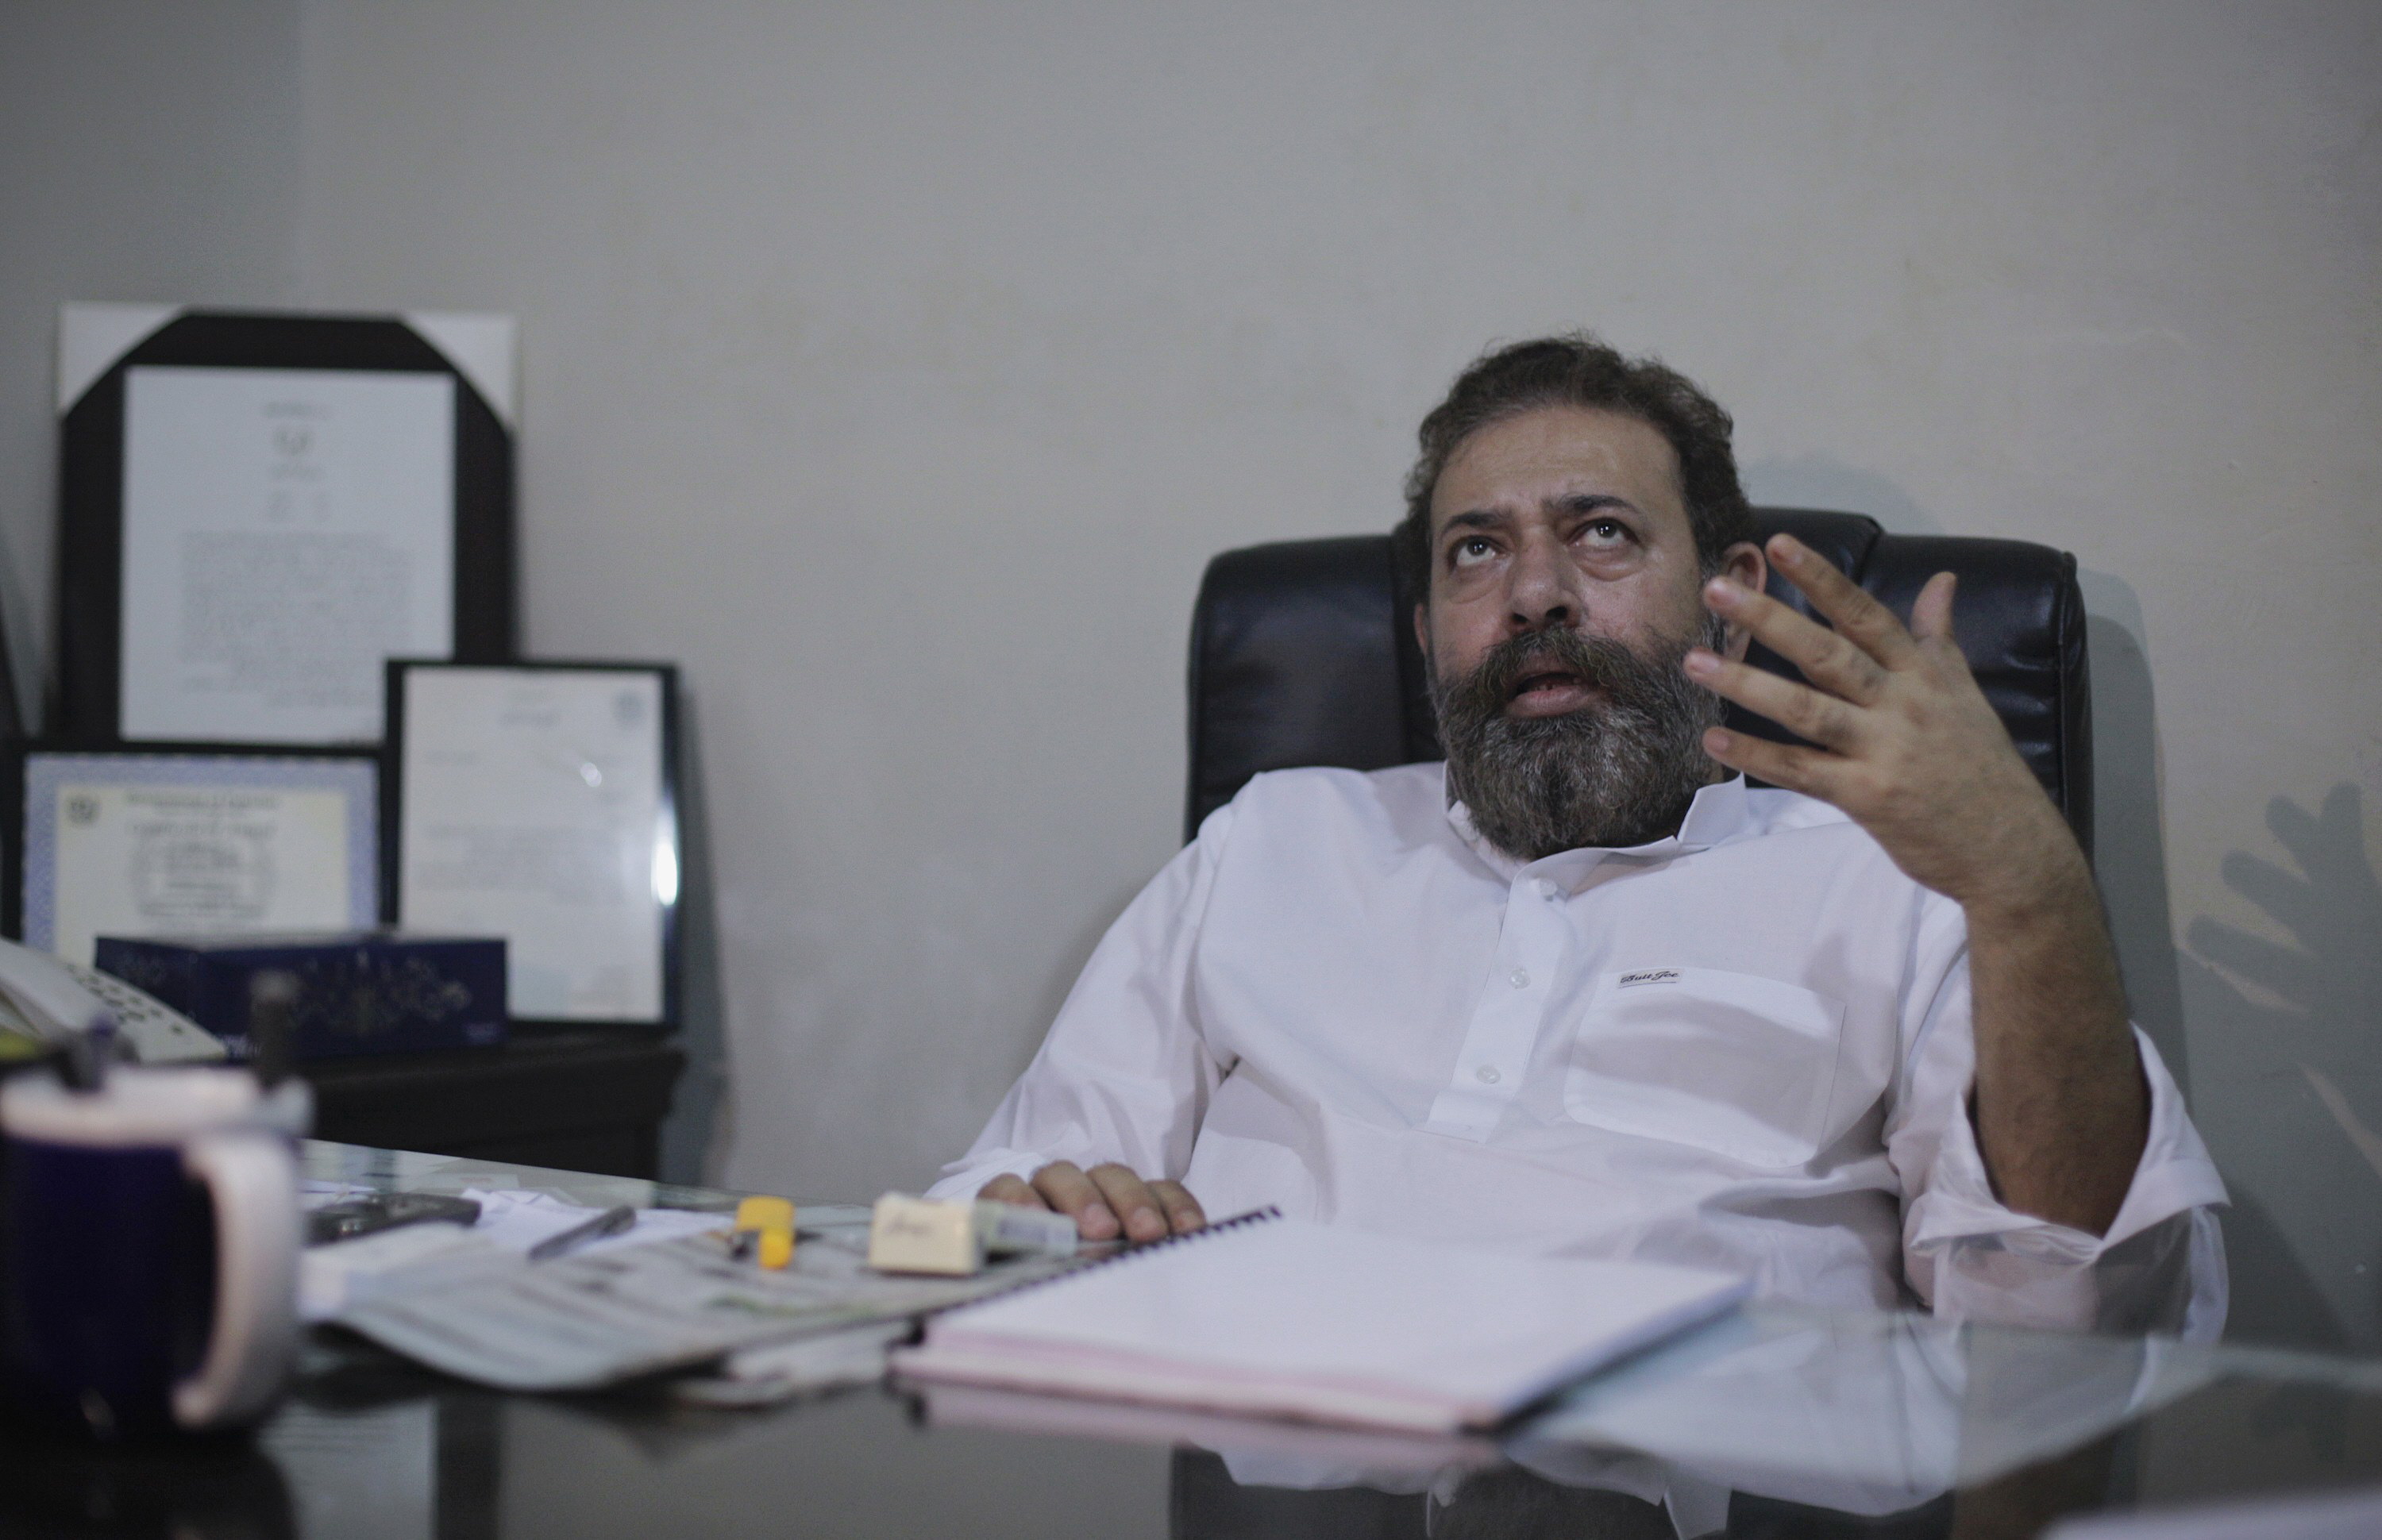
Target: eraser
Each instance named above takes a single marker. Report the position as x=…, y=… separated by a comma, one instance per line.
x=917, y=1235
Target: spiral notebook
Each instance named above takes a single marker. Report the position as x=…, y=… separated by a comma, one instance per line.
x=1267, y=1316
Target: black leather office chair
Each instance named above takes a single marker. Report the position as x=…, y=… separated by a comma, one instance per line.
x=1302, y=652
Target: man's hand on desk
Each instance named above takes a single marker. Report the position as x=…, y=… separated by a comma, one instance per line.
x=1095, y=1198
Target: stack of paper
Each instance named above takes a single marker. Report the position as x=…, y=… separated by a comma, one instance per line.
x=610, y=1315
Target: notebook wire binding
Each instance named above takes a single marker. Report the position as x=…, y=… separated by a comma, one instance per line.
x=1129, y=1249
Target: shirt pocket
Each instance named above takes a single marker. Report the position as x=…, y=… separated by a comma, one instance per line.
x=1734, y=1063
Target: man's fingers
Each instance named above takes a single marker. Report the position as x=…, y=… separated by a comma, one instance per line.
x=1931, y=613
x=1065, y=1187
x=1005, y=1188
x=1821, y=718
x=1848, y=606
x=1105, y=1201
x=1812, y=772
x=1130, y=1199
x=1835, y=663
x=1182, y=1210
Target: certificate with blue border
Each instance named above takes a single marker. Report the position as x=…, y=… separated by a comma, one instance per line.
x=191, y=842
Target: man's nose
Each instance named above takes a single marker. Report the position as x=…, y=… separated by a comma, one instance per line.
x=1543, y=587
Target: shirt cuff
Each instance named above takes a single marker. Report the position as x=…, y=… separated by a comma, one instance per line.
x=965, y=1179
x=2173, y=1176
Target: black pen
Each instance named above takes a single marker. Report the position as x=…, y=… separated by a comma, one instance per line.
x=612, y=1221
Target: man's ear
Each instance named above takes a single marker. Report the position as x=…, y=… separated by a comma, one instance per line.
x=1743, y=563
x=1422, y=629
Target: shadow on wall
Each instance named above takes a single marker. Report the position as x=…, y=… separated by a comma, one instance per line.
x=695, y=1131
x=2302, y=1232
x=2287, y=1030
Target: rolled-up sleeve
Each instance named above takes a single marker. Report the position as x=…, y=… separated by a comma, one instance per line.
x=1125, y=1075
x=2160, y=1267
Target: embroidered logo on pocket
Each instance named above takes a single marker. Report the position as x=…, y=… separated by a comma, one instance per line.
x=1647, y=975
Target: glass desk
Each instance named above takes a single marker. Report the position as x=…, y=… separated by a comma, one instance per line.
x=1771, y=1423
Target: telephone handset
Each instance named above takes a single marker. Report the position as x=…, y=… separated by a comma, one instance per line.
x=49, y=998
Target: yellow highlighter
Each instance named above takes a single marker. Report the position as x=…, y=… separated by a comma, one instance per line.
x=765, y=1231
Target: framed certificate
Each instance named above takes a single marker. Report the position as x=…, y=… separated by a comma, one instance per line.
x=538, y=801
x=181, y=840
x=259, y=510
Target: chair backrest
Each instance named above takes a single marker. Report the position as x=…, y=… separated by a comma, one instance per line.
x=1302, y=652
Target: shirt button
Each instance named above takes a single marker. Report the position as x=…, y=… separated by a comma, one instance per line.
x=1519, y=978
x=1547, y=889
x=1487, y=1074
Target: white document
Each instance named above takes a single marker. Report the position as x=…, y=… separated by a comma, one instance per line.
x=285, y=532
x=588, y=1320
x=166, y=846
x=1277, y=1317
x=517, y=1219
x=346, y=1273
x=533, y=811
x=169, y=860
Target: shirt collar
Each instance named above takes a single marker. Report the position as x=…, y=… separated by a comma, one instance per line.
x=1718, y=813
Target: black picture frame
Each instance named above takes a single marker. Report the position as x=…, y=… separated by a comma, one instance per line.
x=85, y=701
x=394, y=807
x=15, y=786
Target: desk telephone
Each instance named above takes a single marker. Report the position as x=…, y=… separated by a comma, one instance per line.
x=46, y=998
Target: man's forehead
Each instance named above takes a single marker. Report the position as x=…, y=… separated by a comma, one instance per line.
x=1556, y=453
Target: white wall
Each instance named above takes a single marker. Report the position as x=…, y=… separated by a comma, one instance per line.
x=145, y=149
x=897, y=367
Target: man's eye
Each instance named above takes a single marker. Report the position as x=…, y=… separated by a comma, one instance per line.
x=1604, y=533
x=1472, y=551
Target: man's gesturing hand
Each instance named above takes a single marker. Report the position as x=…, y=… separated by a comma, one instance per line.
x=1095, y=1198
x=1906, y=741
x=1910, y=748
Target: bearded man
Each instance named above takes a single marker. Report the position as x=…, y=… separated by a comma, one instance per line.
x=1582, y=990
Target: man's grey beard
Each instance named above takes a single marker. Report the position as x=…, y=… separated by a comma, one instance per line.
x=1617, y=772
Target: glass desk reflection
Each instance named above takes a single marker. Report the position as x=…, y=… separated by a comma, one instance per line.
x=1771, y=1423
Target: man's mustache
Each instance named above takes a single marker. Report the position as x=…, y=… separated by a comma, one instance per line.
x=1601, y=664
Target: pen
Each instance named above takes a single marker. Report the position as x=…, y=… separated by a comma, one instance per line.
x=612, y=1221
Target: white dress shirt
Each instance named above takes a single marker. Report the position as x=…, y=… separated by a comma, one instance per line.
x=1745, y=1046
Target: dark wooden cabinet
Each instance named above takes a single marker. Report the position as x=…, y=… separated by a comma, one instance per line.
x=584, y=1101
